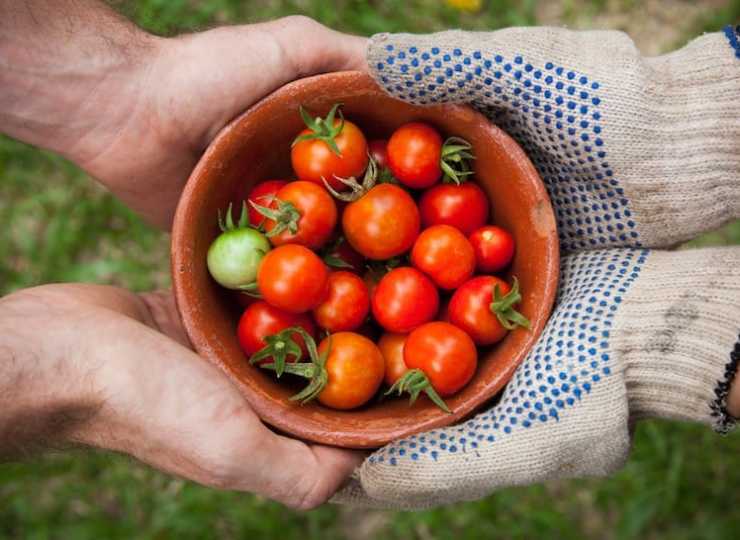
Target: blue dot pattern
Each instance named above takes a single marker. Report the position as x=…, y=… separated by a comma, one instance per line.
x=555, y=113
x=570, y=360
x=733, y=36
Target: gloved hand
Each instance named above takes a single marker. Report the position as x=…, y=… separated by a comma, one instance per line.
x=635, y=153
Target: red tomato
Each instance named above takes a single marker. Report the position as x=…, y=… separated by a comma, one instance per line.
x=314, y=222
x=261, y=319
x=464, y=207
x=404, y=299
x=378, y=149
x=262, y=194
x=391, y=347
x=470, y=309
x=383, y=223
x=313, y=160
x=347, y=304
x=494, y=248
x=445, y=255
x=445, y=354
x=355, y=370
x=293, y=278
x=414, y=153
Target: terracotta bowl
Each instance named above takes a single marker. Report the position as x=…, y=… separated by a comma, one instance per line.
x=255, y=147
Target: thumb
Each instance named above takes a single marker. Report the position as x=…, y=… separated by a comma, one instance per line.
x=303, y=476
x=311, y=48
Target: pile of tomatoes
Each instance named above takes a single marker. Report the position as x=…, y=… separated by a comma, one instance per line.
x=384, y=250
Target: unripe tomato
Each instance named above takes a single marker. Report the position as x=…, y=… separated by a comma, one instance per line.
x=445, y=255
x=464, y=207
x=414, y=153
x=445, y=354
x=355, y=370
x=494, y=248
x=383, y=223
x=404, y=299
x=346, y=305
x=293, y=278
x=234, y=256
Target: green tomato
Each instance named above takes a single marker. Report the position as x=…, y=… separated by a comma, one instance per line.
x=235, y=256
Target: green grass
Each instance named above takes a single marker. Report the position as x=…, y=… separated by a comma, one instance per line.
x=680, y=481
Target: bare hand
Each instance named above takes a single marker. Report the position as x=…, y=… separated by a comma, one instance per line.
x=124, y=358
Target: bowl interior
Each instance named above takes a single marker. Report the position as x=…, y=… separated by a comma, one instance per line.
x=256, y=147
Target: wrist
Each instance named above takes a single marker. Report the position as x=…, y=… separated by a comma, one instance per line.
x=677, y=332
x=46, y=398
x=72, y=89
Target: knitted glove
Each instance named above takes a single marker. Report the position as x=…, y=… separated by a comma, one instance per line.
x=635, y=152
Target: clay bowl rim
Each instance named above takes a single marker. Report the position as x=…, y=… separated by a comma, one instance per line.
x=279, y=417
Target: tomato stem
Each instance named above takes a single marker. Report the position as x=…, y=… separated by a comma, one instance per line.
x=286, y=216
x=456, y=153
x=503, y=307
x=279, y=346
x=415, y=381
x=314, y=370
x=357, y=190
x=228, y=224
x=322, y=129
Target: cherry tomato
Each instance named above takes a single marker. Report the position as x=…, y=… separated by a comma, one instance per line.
x=262, y=194
x=306, y=207
x=314, y=160
x=445, y=354
x=234, y=257
x=414, y=153
x=261, y=319
x=355, y=370
x=471, y=309
x=391, y=347
x=293, y=278
x=464, y=207
x=494, y=248
x=404, y=299
x=383, y=223
x=445, y=255
x=378, y=149
x=347, y=304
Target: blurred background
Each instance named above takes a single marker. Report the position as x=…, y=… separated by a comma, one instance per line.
x=681, y=481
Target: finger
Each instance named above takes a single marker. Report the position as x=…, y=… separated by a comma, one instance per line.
x=303, y=476
x=311, y=48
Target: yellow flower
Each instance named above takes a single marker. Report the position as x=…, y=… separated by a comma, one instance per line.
x=466, y=5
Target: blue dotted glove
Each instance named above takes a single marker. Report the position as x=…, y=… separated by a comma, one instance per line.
x=635, y=333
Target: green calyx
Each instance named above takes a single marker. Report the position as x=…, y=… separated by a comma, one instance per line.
x=228, y=223
x=331, y=255
x=503, y=307
x=455, y=160
x=356, y=189
x=286, y=217
x=314, y=370
x=415, y=381
x=323, y=129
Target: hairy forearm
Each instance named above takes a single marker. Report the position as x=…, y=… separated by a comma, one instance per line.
x=44, y=399
x=63, y=67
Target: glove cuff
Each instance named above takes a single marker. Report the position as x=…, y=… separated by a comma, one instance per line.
x=677, y=336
